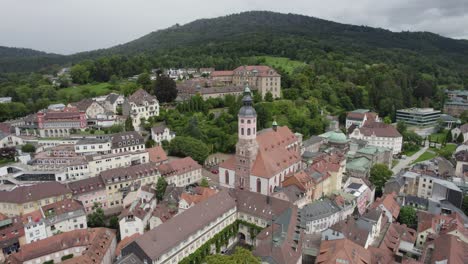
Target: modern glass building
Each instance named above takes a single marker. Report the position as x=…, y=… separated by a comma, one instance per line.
x=422, y=117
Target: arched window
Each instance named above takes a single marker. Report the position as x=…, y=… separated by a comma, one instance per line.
x=248, y=121
x=259, y=186
x=226, y=177
x=242, y=131
x=248, y=131
x=242, y=121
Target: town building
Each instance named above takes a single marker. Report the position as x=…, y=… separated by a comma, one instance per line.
x=90, y=107
x=380, y=135
x=445, y=249
x=389, y=206
x=197, y=195
x=26, y=199
x=342, y=251
x=95, y=245
x=322, y=214
x=62, y=216
x=157, y=155
x=127, y=142
x=98, y=163
x=140, y=105
x=360, y=117
x=135, y=217
x=182, y=235
x=10, y=140
x=161, y=133
x=263, y=159
x=461, y=168
x=264, y=79
x=181, y=172
x=463, y=129
x=93, y=146
x=89, y=192
x=60, y=123
x=422, y=120
x=361, y=189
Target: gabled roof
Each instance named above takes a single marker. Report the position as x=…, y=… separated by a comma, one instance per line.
x=140, y=97
x=389, y=202
x=24, y=194
x=157, y=154
x=447, y=249
x=342, y=251
x=379, y=130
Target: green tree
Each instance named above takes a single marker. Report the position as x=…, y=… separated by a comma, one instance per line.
x=269, y=97
x=189, y=147
x=150, y=143
x=144, y=80
x=464, y=117
x=129, y=88
x=401, y=127
x=387, y=120
x=165, y=89
x=114, y=222
x=79, y=74
x=96, y=218
x=28, y=148
x=204, y=182
x=129, y=124
x=379, y=175
x=116, y=128
x=460, y=138
x=465, y=204
x=408, y=216
x=161, y=186
x=448, y=136
x=241, y=255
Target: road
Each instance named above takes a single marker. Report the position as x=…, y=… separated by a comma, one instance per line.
x=404, y=163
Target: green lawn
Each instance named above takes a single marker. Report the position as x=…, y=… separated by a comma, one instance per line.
x=410, y=152
x=279, y=62
x=76, y=93
x=426, y=156
x=439, y=137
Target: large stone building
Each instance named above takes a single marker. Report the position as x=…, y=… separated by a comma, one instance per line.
x=263, y=159
x=262, y=78
x=380, y=135
x=140, y=105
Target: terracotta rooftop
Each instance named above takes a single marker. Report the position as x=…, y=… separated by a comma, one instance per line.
x=200, y=194
x=140, y=97
x=88, y=185
x=157, y=154
x=124, y=242
x=446, y=249
x=262, y=70
x=221, y=73
x=178, y=166
x=379, y=130
x=96, y=240
x=62, y=207
x=342, y=251
x=389, y=202
x=24, y=194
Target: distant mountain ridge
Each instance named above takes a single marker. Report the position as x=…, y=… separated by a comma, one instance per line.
x=257, y=33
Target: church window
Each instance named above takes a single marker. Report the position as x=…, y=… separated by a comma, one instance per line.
x=259, y=186
x=248, y=131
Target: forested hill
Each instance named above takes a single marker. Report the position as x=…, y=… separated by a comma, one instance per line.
x=21, y=59
x=222, y=41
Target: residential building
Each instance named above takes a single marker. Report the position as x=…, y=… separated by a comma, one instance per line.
x=161, y=133
x=426, y=186
x=127, y=142
x=262, y=78
x=461, y=168
x=446, y=249
x=457, y=102
x=89, y=192
x=90, y=107
x=93, y=146
x=182, y=235
x=135, y=218
x=95, y=245
x=199, y=194
x=12, y=235
x=463, y=129
x=98, y=163
x=26, y=199
x=112, y=102
x=62, y=216
x=304, y=182
x=399, y=239
x=263, y=159
x=140, y=105
x=362, y=190
x=320, y=215
x=389, y=206
x=10, y=140
x=380, y=135
x=361, y=117
x=359, y=167
x=181, y=172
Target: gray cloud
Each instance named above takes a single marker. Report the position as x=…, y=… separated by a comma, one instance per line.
x=67, y=26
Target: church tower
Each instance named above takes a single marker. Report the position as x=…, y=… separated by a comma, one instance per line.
x=247, y=147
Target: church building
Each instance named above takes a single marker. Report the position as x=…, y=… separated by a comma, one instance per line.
x=263, y=159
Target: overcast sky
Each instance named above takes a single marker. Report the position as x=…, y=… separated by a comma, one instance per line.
x=68, y=26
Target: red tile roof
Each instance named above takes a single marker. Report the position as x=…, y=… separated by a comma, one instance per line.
x=24, y=194
x=262, y=70
x=446, y=248
x=62, y=207
x=379, y=130
x=157, y=154
x=221, y=73
x=88, y=185
x=389, y=202
x=200, y=194
x=124, y=242
x=332, y=251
